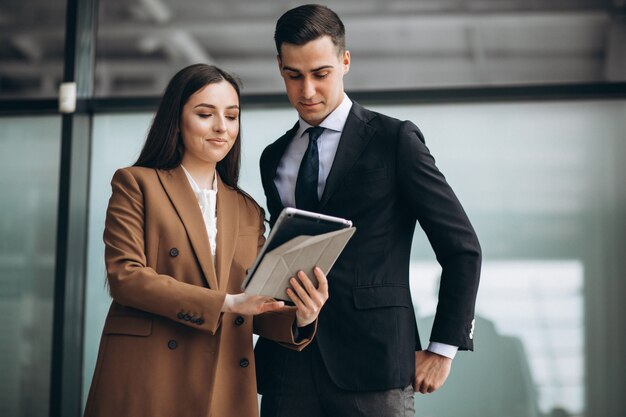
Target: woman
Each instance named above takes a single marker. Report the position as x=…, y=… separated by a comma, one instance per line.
x=179, y=236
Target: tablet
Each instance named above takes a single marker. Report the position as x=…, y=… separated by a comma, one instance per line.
x=293, y=222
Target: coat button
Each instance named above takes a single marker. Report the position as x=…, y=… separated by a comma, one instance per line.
x=244, y=363
x=199, y=321
x=172, y=344
x=174, y=252
x=186, y=317
x=181, y=315
x=239, y=321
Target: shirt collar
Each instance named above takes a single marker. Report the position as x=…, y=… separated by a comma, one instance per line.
x=334, y=121
x=194, y=184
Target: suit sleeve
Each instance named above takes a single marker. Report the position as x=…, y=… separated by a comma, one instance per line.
x=131, y=282
x=450, y=234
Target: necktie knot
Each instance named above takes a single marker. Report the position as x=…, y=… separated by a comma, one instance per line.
x=314, y=133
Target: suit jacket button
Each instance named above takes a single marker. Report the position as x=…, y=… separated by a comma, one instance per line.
x=172, y=344
x=199, y=321
x=186, y=317
x=239, y=321
x=181, y=315
x=244, y=363
x=174, y=252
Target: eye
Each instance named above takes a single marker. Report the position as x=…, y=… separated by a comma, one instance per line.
x=295, y=76
x=321, y=75
x=204, y=115
x=232, y=117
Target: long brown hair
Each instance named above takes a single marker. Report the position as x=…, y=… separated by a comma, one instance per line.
x=164, y=147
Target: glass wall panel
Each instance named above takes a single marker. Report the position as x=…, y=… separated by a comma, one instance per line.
x=537, y=180
x=395, y=44
x=117, y=140
x=29, y=168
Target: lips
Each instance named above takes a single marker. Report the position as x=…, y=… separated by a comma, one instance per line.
x=216, y=140
x=308, y=105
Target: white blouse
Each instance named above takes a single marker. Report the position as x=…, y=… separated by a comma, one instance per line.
x=207, y=199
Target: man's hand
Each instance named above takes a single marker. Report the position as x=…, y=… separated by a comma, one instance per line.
x=308, y=299
x=431, y=371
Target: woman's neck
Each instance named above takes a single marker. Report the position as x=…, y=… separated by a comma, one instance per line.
x=203, y=173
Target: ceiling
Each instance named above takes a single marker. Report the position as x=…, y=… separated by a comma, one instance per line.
x=395, y=44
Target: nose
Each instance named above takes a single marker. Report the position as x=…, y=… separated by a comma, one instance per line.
x=308, y=89
x=219, y=124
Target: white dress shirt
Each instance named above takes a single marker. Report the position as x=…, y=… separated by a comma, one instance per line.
x=327, y=144
x=207, y=199
x=287, y=172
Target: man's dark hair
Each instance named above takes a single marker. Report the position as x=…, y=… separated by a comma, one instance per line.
x=307, y=23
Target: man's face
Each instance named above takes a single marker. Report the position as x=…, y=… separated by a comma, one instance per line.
x=313, y=75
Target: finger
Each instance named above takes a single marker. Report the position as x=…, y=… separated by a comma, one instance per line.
x=303, y=311
x=419, y=384
x=306, y=282
x=300, y=291
x=322, y=282
x=314, y=294
x=271, y=306
x=303, y=314
x=260, y=299
x=294, y=297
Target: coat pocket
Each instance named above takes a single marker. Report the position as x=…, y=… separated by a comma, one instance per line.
x=128, y=325
x=380, y=296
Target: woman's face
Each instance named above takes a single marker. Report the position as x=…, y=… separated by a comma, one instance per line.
x=210, y=123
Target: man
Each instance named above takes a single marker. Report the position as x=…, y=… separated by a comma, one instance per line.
x=344, y=160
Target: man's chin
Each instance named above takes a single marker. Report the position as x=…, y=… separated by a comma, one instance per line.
x=312, y=117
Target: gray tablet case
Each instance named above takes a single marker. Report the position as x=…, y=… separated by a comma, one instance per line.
x=299, y=241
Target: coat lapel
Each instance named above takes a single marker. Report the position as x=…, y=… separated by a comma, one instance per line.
x=227, y=230
x=354, y=138
x=184, y=201
x=276, y=153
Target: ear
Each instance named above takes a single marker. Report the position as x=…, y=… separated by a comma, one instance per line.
x=280, y=63
x=345, y=61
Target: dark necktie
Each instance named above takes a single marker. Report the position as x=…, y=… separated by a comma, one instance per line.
x=308, y=174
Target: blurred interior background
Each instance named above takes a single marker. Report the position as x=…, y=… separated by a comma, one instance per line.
x=523, y=104
x=422, y=43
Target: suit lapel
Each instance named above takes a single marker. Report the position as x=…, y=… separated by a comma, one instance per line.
x=354, y=138
x=185, y=203
x=227, y=230
x=276, y=153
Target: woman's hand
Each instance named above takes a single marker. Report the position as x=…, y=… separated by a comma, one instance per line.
x=308, y=299
x=250, y=304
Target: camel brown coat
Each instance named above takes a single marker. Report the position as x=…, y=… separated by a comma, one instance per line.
x=166, y=349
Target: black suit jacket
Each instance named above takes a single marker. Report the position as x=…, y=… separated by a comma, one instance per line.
x=385, y=180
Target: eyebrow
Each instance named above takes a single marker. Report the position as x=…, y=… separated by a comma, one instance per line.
x=323, y=67
x=234, y=106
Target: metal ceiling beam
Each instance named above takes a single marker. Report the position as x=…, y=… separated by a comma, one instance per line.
x=221, y=27
x=615, y=55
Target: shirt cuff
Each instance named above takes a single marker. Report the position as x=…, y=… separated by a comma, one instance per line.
x=443, y=349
